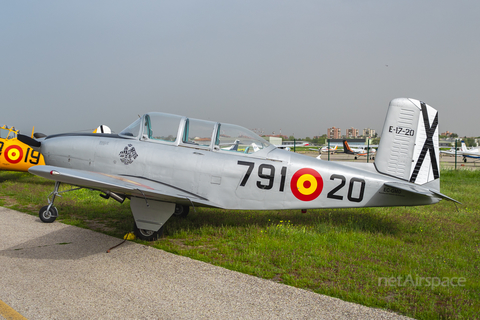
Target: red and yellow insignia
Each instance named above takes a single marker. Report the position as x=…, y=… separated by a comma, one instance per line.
x=13, y=154
x=306, y=184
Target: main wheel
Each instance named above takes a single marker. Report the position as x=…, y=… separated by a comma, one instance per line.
x=181, y=211
x=147, y=235
x=48, y=216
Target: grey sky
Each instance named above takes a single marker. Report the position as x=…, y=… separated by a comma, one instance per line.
x=298, y=66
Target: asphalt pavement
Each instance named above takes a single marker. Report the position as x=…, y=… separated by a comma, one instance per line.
x=57, y=271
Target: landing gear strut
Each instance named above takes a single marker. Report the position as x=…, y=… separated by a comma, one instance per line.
x=49, y=213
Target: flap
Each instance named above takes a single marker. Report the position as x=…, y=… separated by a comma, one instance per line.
x=129, y=185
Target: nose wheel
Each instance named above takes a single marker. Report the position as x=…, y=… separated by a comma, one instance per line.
x=48, y=214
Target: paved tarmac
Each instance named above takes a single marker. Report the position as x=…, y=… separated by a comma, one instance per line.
x=56, y=271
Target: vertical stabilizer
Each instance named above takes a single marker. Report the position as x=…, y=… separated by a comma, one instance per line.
x=409, y=147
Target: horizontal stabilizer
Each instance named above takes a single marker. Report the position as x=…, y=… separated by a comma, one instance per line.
x=441, y=195
x=416, y=189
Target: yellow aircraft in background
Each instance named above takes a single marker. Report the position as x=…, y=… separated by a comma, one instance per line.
x=16, y=155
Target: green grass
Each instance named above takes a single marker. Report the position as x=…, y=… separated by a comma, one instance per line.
x=344, y=253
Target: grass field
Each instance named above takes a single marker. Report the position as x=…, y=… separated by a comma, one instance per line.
x=422, y=262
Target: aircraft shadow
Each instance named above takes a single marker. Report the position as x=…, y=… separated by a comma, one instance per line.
x=68, y=243
x=318, y=219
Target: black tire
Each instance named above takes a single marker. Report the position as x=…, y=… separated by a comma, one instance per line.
x=147, y=235
x=48, y=216
x=181, y=211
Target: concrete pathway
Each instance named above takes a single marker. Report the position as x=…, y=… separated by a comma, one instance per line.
x=56, y=271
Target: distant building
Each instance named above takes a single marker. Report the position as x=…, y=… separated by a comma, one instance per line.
x=334, y=133
x=275, y=140
x=368, y=132
x=448, y=134
x=275, y=135
x=351, y=133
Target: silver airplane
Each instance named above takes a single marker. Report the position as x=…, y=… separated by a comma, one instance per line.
x=167, y=163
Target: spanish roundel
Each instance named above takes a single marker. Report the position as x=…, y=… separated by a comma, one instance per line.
x=13, y=154
x=306, y=184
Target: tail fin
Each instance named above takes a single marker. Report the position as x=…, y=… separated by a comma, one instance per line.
x=346, y=147
x=464, y=146
x=409, y=148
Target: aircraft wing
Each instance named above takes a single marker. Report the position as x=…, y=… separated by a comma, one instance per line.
x=470, y=153
x=417, y=189
x=451, y=152
x=129, y=185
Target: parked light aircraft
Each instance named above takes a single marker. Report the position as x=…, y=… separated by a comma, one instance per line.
x=464, y=152
x=324, y=149
x=166, y=163
x=357, y=151
x=295, y=143
x=16, y=155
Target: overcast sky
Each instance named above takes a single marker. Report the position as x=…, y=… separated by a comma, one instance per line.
x=295, y=66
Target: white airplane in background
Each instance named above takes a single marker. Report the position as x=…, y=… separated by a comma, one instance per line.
x=463, y=151
x=326, y=149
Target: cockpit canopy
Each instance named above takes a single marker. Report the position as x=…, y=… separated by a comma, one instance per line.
x=188, y=132
x=7, y=133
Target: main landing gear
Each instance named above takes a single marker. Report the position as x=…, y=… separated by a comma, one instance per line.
x=147, y=235
x=181, y=211
x=150, y=235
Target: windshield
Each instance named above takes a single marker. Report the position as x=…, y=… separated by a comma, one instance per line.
x=132, y=130
x=239, y=139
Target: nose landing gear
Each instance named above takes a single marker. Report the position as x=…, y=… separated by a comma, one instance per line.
x=49, y=213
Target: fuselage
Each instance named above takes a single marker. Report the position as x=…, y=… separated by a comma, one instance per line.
x=268, y=179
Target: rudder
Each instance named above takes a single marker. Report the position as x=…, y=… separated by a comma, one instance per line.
x=409, y=147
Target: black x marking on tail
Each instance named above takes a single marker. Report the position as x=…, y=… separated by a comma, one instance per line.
x=428, y=146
